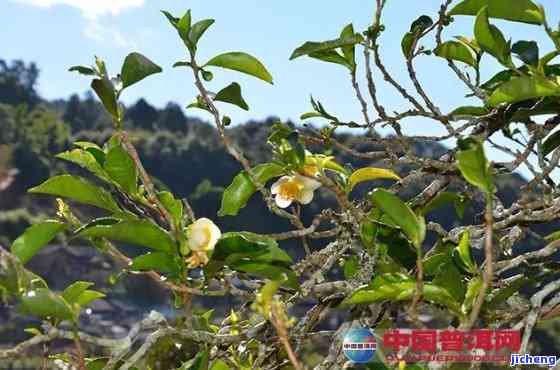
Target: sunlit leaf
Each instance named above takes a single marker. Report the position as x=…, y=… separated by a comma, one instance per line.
x=35, y=238
x=84, y=159
x=232, y=94
x=122, y=169
x=241, y=62
x=73, y=291
x=106, y=93
x=136, y=67
x=44, y=303
x=399, y=287
x=157, y=261
x=238, y=193
x=407, y=43
x=412, y=225
x=519, y=10
x=523, y=88
x=468, y=112
x=473, y=165
x=473, y=288
x=370, y=173
x=314, y=47
x=455, y=50
x=491, y=39
x=464, y=252
x=137, y=232
x=78, y=189
x=198, y=29
x=349, y=50
x=331, y=56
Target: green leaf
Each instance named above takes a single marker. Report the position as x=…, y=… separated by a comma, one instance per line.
x=200, y=362
x=411, y=224
x=138, y=232
x=241, y=62
x=310, y=115
x=551, y=143
x=232, y=94
x=368, y=174
x=527, y=51
x=93, y=149
x=332, y=56
x=172, y=19
x=82, y=70
x=497, y=80
x=351, y=267
x=237, y=194
x=552, y=236
x=325, y=162
x=523, y=88
x=75, y=290
x=181, y=64
x=122, y=169
x=35, y=238
x=449, y=277
x=199, y=105
x=399, y=287
x=89, y=296
x=314, y=47
x=433, y=263
x=198, y=29
x=454, y=50
x=518, y=11
x=349, y=51
x=421, y=24
x=473, y=165
x=136, y=67
x=464, y=252
x=219, y=365
x=43, y=303
x=407, y=43
x=491, y=39
x=468, y=111
x=106, y=93
x=543, y=62
x=84, y=159
x=234, y=246
x=184, y=26
x=473, y=287
x=174, y=206
x=416, y=28
x=270, y=271
x=78, y=189
x=252, y=253
x=444, y=198
x=156, y=261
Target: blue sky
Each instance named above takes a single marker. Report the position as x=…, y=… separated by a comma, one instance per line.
x=59, y=33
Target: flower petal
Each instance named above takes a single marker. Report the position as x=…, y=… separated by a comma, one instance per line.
x=275, y=188
x=282, y=202
x=308, y=183
x=306, y=196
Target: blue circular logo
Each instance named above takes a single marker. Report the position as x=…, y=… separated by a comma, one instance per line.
x=359, y=345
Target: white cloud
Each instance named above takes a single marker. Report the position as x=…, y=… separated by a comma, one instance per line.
x=90, y=8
